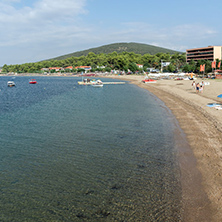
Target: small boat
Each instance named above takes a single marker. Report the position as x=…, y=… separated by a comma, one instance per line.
x=149, y=81
x=10, y=83
x=32, y=81
x=98, y=83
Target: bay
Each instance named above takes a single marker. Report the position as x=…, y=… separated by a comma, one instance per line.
x=79, y=153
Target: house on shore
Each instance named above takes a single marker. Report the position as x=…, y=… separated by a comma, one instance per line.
x=57, y=69
x=87, y=68
x=140, y=66
x=69, y=67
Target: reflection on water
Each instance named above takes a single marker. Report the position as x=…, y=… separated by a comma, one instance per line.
x=77, y=153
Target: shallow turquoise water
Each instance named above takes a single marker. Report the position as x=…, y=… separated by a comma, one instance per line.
x=79, y=153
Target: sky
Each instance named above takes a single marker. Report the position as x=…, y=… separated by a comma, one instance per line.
x=36, y=30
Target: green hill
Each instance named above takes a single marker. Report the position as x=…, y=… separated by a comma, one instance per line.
x=137, y=48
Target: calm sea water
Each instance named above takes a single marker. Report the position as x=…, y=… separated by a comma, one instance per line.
x=79, y=153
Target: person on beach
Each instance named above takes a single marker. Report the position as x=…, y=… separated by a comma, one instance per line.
x=194, y=85
x=201, y=87
x=197, y=87
x=202, y=84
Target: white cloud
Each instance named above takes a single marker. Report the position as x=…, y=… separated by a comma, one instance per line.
x=41, y=27
x=178, y=37
x=192, y=30
x=55, y=27
x=46, y=17
x=57, y=9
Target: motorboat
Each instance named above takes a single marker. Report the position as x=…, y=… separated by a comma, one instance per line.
x=10, y=83
x=98, y=83
x=32, y=81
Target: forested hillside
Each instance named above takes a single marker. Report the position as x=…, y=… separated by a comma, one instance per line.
x=124, y=61
x=137, y=48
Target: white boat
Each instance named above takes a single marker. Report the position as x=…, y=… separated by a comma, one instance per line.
x=10, y=83
x=98, y=83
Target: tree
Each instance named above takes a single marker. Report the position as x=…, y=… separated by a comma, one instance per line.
x=155, y=62
x=122, y=61
x=187, y=68
x=125, y=69
x=108, y=69
x=171, y=68
x=5, y=68
x=192, y=65
x=208, y=66
x=80, y=70
x=133, y=67
x=91, y=55
x=67, y=70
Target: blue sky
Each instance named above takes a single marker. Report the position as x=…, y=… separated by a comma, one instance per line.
x=35, y=30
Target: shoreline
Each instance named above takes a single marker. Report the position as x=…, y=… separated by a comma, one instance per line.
x=200, y=160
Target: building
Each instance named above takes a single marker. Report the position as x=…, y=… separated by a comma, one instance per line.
x=206, y=53
x=69, y=67
x=100, y=67
x=139, y=66
x=153, y=70
x=87, y=68
x=57, y=69
x=165, y=64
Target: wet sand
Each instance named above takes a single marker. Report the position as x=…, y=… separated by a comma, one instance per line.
x=200, y=159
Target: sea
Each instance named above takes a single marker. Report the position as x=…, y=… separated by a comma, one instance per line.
x=80, y=153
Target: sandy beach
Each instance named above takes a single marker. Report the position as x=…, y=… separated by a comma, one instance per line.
x=200, y=159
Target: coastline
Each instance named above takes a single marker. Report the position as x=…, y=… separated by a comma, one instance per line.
x=200, y=160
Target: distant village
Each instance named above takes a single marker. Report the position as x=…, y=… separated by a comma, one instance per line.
x=201, y=61
x=84, y=70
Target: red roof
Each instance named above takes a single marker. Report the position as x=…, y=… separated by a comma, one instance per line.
x=83, y=67
x=54, y=67
x=69, y=67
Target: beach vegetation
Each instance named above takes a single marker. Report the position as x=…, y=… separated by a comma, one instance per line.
x=116, y=57
x=133, y=67
x=171, y=68
x=124, y=61
x=119, y=56
x=187, y=68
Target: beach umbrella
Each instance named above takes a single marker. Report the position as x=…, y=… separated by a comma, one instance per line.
x=220, y=96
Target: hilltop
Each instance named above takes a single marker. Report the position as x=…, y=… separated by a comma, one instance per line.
x=137, y=48
x=119, y=56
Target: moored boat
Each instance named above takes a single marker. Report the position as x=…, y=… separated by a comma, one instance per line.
x=32, y=81
x=10, y=83
x=98, y=83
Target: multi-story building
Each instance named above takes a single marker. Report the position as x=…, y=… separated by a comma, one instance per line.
x=206, y=53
